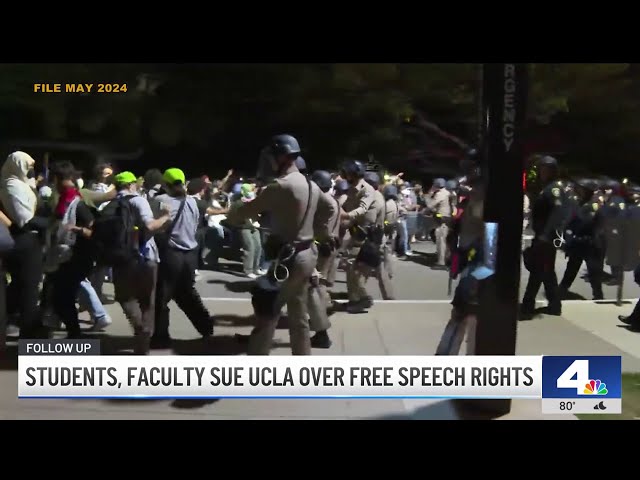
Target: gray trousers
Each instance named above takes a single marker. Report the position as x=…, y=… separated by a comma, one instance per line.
x=327, y=267
x=294, y=294
x=357, y=274
x=251, y=250
x=458, y=327
x=317, y=304
x=441, y=243
x=383, y=275
x=135, y=288
x=3, y=309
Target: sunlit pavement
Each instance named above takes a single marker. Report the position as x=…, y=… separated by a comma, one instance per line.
x=399, y=328
x=411, y=325
x=413, y=280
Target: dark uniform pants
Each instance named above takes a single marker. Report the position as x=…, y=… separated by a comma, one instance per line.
x=593, y=259
x=176, y=281
x=543, y=274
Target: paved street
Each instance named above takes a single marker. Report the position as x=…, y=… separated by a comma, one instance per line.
x=414, y=280
x=411, y=325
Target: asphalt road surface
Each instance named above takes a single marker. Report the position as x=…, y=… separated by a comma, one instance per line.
x=413, y=280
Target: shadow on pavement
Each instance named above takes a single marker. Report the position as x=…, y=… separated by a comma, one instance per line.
x=235, y=320
x=424, y=259
x=339, y=295
x=444, y=410
x=247, y=321
x=192, y=403
x=612, y=302
x=572, y=296
x=240, y=286
x=216, y=345
x=9, y=358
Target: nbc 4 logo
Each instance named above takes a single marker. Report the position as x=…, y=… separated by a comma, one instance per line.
x=577, y=377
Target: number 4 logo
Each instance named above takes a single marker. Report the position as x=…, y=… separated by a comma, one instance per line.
x=578, y=369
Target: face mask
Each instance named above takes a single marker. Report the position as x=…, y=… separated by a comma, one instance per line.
x=31, y=173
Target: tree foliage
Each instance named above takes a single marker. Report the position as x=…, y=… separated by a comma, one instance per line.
x=227, y=111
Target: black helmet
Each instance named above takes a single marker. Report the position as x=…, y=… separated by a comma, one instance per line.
x=322, y=178
x=390, y=192
x=633, y=188
x=588, y=184
x=341, y=186
x=373, y=179
x=451, y=185
x=353, y=167
x=547, y=161
x=284, y=144
x=301, y=164
x=610, y=184
x=439, y=183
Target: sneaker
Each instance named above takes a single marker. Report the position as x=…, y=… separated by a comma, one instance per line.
x=50, y=320
x=101, y=323
x=252, y=276
x=13, y=331
x=321, y=340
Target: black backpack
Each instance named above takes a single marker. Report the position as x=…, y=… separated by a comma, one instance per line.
x=117, y=235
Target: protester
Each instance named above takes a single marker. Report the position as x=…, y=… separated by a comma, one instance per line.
x=135, y=279
x=24, y=262
x=178, y=250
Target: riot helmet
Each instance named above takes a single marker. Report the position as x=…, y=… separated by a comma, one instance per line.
x=322, y=178
x=373, y=179
x=390, y=192
x=352, y=170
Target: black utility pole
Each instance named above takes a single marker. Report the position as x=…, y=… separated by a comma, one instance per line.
x=504, y=99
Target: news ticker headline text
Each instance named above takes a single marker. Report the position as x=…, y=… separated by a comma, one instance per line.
x=280, y=376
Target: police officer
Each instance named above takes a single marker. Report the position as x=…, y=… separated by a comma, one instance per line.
x=547, y=217
x=381, y=272
x=452, y=188
x=360, y=212
x=438, y=203
x=633, y=190
x=297, y=208
x=340, y=191
x=615, y=205
x=584, y=239
x=178, y=248
x=326, y=267
x=633, y=213
x=392, y=213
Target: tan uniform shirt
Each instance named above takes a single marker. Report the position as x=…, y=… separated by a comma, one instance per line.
x=341, y=199
x=286, y=201
x=379, y=200
x=392, y=212
x=334, y=221
x=438, y=203
x=361, y=204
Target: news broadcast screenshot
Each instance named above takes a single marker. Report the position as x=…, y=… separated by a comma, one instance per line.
x=346, y=241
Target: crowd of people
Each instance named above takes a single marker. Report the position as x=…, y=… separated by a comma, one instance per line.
x=150, y=235
x=63, y=237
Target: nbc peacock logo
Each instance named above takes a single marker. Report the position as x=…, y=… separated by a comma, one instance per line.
x=595, y=387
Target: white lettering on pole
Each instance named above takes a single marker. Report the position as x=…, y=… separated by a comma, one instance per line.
x=509, y=113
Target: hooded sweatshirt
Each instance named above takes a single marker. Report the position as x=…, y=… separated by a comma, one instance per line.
x=17, y=197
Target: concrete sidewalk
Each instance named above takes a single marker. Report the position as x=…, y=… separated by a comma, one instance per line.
x=393, y=328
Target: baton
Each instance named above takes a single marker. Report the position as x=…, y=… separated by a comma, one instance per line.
x=450, y=286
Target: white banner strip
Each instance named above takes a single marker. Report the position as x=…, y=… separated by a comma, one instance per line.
x=280, y=377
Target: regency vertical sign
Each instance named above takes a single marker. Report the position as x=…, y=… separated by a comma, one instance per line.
x=509, y=112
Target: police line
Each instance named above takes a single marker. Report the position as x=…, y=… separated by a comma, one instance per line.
x=80, y=376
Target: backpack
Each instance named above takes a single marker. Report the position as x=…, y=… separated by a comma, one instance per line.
x=117, y=237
